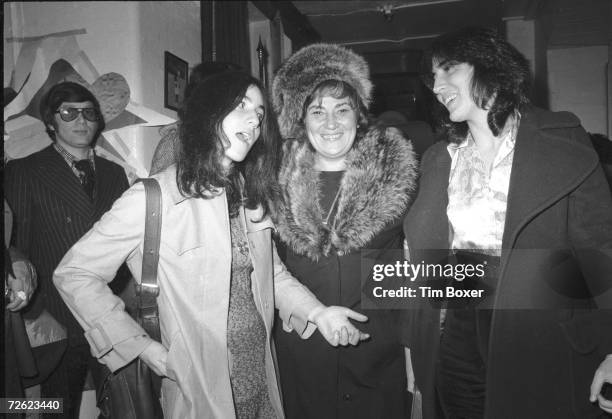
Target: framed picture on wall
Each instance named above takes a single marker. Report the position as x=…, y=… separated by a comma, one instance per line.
x=175, y=81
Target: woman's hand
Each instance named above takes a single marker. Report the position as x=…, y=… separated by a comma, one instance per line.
x=155, y=356
x=333, y=323
x=602, y=375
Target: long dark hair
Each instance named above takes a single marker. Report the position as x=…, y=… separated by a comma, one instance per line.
x=501, y=73
x=200, y=173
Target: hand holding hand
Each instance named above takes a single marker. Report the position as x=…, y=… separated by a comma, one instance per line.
x=22, y=285
x=333, y=323
x=155, y=356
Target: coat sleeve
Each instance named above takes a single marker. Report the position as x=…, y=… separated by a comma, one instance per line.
x=83, y=275
x=293, y=300
x=18, y=193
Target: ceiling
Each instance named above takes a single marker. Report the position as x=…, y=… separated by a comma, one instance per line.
x=392, y=34
x=393, y=25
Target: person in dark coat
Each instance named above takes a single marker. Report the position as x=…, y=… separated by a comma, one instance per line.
x=519, y=189
x=56, y=195
x=19, y=285
x=603, y=147
x=346, y=185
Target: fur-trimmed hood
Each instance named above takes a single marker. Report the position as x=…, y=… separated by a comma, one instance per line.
x=377, y=187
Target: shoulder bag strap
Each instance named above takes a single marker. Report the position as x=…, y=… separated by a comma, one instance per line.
x=147, y=313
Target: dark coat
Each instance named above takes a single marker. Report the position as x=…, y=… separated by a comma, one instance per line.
x=52, y=212
x=541, y=362
x=318, y=380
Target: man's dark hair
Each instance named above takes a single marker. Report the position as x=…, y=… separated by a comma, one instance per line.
x=67, y=92
x=501, y=75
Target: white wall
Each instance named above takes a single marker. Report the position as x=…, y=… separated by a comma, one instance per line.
x=111, y=38
x=172, y=26
x=126, y=37
x=577, y=83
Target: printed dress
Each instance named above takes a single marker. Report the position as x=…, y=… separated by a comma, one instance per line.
x=246, y=336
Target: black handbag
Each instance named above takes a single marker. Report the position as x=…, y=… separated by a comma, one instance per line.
x=133, y=391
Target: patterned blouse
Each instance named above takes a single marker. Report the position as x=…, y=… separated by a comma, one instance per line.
x=477, y=196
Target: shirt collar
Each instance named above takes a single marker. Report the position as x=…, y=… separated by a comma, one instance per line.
x=453, y=148
x=508, y=140
x=70, y=158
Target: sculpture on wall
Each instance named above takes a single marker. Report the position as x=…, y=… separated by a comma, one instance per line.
x=46, y=60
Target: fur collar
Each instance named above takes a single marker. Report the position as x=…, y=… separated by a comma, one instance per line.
x=377, y=186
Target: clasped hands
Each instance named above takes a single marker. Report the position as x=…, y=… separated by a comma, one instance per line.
x=333, y=323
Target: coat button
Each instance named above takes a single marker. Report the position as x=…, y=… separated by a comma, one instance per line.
x=347, y=397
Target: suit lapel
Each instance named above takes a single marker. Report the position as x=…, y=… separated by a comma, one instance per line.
x=107, y=187
x=539, y=176
x=56, y=176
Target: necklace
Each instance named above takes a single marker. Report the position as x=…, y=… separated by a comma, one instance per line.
x=331, y=209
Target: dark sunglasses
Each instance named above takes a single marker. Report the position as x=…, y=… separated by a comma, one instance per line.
x=70, y=114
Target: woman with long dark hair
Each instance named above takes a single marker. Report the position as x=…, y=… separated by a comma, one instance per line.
x=517, y=191
x=219, y=275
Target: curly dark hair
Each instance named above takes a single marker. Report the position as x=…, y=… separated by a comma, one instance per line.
x=67, y=92
x=501, y=73
x=200, y=173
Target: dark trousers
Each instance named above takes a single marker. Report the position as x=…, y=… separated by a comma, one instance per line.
x=68, y=380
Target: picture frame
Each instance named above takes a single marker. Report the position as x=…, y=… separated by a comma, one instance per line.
x=176, y=74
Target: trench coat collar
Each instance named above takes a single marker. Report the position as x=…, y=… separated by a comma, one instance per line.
x=251, y=217
x=176, y=197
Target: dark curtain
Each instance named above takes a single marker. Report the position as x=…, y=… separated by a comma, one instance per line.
x=230, y=22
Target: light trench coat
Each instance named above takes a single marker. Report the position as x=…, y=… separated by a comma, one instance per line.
x=194, y=278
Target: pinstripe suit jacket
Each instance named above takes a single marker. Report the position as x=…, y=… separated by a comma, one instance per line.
x=52, y=212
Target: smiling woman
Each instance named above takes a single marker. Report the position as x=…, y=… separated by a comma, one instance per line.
x=331, y=118
x=345, y=186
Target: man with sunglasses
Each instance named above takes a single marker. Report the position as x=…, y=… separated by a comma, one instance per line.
x=56, y=195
